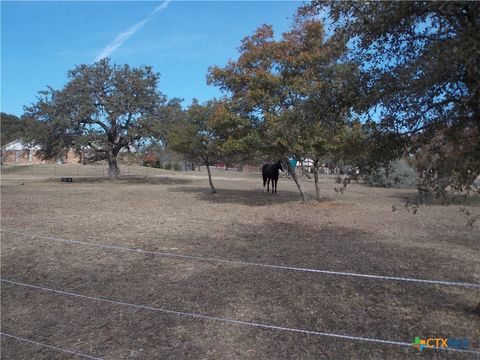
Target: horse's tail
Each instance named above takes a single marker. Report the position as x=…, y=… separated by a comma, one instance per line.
x=264, y=174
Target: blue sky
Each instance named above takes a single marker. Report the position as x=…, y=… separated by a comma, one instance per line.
x=41, y=41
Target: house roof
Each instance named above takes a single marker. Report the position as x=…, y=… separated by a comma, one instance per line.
x=17, y=145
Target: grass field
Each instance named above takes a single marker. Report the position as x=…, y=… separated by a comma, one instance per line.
x=54, y=170
x=175, y=213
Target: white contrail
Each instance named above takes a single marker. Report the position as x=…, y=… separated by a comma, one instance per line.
x=124, y=36
x=161, y=6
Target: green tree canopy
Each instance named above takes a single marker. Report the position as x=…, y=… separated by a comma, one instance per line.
x=208, y=133
x=156, y=128
x=11, y=128
x=420, y=63
x=103, y=107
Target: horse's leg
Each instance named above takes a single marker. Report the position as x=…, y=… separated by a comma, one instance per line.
x=264, y=182
x=276, y=182
x=268, y=184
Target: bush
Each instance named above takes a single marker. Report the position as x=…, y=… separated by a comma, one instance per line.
x=153, y=163
x=399, y=175
x=168, y=166
x=177, y=167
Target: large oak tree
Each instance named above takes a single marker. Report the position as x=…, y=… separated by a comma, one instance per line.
x=104, y=108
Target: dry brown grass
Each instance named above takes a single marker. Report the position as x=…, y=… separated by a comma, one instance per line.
x=355, y=232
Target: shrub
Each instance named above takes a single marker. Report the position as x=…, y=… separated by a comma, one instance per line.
x=168, y=166
x=398, y=175
x=177, y=167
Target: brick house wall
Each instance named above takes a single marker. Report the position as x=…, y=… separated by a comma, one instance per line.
x=15, y=153
x=20, y=157
x=70, y=157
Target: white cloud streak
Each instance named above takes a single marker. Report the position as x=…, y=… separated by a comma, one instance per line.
x=124, y=36
x=161, y=6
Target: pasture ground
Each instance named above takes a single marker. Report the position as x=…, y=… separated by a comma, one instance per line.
x=174, y=212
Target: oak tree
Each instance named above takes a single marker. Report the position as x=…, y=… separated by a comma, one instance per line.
x=295, y=90
x=103, y=108
x=208, y=133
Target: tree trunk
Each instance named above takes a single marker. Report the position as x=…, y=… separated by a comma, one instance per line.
x=297, y=181
x=210, y=178
x=113, y=170
x=82, y=156
x=315, y=175
x=305, y=172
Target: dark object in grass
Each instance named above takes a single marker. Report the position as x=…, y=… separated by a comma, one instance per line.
x=67, y=179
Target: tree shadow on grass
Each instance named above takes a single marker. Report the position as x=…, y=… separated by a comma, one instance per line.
x=349, y=249
x=242, y=197
x=157, y=180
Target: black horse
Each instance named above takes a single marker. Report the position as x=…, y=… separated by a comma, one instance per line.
x=270, y=172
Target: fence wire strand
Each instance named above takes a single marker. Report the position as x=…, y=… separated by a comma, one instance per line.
x=252, y=264
x=49, y=346
x=229, y=321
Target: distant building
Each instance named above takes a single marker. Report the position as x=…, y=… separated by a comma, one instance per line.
x=17, y=153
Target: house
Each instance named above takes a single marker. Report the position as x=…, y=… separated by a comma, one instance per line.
x=18, y=153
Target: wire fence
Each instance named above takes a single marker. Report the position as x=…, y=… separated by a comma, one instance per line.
x=250, y=264
x=37, y=343
x=173, y=312
x=229, y=321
